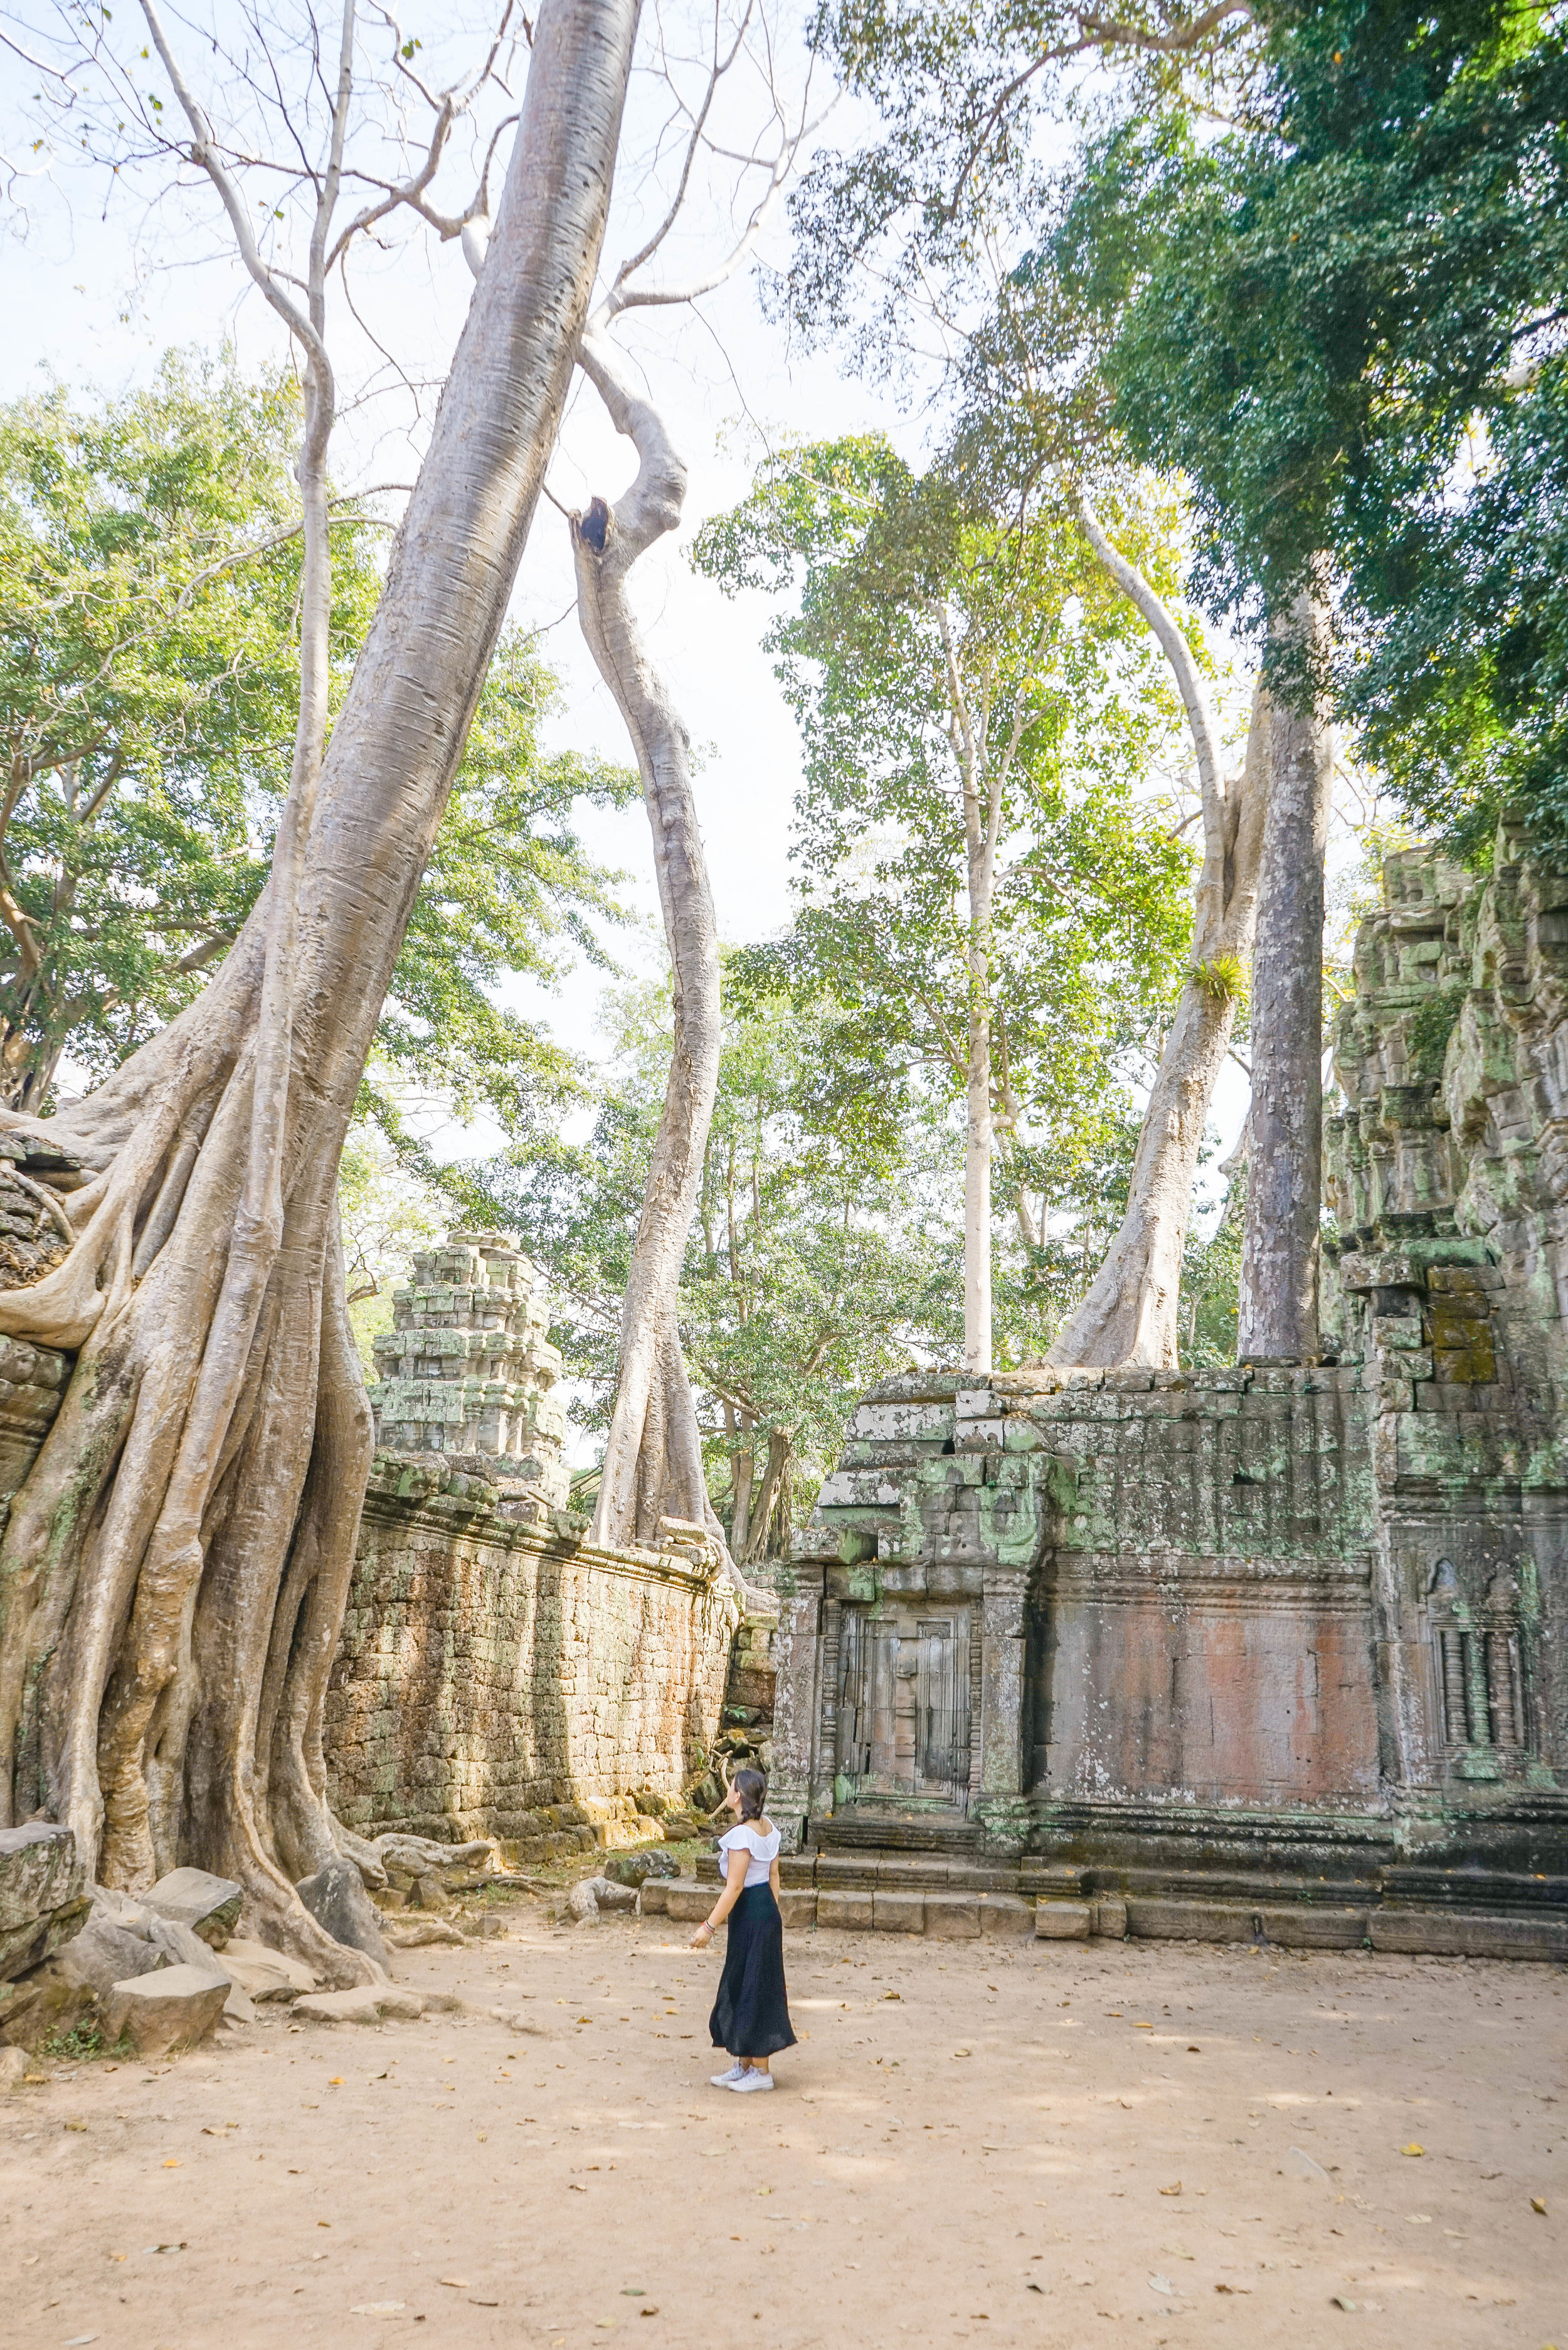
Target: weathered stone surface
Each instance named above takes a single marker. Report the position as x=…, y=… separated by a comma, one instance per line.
x=43, y=1896
x=12, y=2068
x=363, y=2004
x=173, y=2007
x=266, y=1975
x=1005, y=1914
x=209, y=1905
x=104, y=1953
x=503, y=1679
x=1063, y=1922
x=336, y=1900
x=687, y=1904
x=46, y=2003
x=467, y=1373
x=899, y=1913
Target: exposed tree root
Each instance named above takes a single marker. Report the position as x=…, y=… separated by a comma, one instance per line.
x=173, y=1573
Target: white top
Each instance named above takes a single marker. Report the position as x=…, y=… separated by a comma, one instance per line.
x=764, y=1850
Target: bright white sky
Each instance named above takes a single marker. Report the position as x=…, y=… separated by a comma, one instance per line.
x=96, y=299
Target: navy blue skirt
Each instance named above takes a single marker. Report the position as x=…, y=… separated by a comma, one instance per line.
x=751, y=2014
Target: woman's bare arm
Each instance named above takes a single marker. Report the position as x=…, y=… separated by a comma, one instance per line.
x=774, y=1875
x=739, y=1861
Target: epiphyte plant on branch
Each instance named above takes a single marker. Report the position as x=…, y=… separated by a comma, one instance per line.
x=175, y=1565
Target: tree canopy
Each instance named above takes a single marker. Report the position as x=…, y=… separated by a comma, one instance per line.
x=1343, y=324
x=150, y=581
x=927, y=634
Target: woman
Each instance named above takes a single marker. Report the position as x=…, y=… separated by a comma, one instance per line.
x=751, y=2014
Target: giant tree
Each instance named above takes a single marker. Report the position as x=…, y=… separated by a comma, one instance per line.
x=173, y=1571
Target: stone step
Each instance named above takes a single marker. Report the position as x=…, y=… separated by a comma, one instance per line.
x=875, y=1905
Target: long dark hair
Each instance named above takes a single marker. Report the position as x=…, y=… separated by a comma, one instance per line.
x=753, y=1789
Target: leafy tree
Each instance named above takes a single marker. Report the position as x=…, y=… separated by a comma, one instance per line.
x=1344, y=324
x=149, y=580
x=819, y=1261
x=150, y=570
x=989, y=910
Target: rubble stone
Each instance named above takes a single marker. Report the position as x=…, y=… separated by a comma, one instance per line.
x=43, y=1893
x=364, y=2003
x=336, y=1900
x=173, y=2007
x=209, y=1905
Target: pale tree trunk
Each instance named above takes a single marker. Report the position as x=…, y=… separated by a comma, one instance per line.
x=173, y=1572
x=1278, y=1320
x=982, y=778
x=770, y=1496
x=652, y=1465
x=1128, y=1314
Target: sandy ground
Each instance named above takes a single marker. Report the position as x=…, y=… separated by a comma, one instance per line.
x=972, y=2143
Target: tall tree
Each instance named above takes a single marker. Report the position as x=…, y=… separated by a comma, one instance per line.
x=173, y=1571
x=980, y=889
x=150, y=571
x=821, y=1257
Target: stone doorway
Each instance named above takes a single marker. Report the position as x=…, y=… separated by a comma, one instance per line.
x=905, y=1711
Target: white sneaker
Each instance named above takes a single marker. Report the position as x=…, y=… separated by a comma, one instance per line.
x=749, y=2080
x=727, y=2080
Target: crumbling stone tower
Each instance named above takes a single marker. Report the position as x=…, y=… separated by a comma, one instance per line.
x=466, y=1372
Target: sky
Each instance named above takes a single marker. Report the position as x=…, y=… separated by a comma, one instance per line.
x=99, y=280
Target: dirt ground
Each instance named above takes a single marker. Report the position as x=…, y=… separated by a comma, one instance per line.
x=1035, y=2143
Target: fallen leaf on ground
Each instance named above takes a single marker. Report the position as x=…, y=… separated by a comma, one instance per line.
x=1176, y=2190
x=377, y=2308
x=1338, y=2301
x=1412, y=2148
x=458, y=2285
x=1538, y=2203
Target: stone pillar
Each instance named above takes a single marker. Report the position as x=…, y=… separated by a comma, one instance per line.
x=796, y=1698
x=1000, y=1805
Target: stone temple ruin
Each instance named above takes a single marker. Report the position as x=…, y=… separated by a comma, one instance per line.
x=466, y=1375
x=1260, y=1651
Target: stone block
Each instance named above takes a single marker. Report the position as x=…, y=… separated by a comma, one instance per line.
x=687, y=1903
x=1062, y=1921
x=1003, y=1914
x=1158, y=1918
x=1110, y=1918
x=209, y=1905
x=173, y=2007
x=267, y=1975
x=899, y=1913
x=1445, y=1934
x=47, y=1999
x=105, y=1953
x=12, y=2068
x=953, y=1917
x=43, y=1893
x=797, y=1905
x=336, y=1900
x=1313, y=1926
x=850, y=1911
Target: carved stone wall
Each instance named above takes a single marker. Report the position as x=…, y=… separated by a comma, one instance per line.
x=499, y=1677
x=1309, y=1620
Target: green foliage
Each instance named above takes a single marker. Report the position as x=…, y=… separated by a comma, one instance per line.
x=149, y=680
x=1343, y=325
x=819, y=1262
x=150, y=569
x=387, y=1212
x=960, y=93
x=1207, y=1308
x=917, y=614
x=508, y=892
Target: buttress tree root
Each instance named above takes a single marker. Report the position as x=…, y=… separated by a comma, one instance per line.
x=173, y=1573
x=1128, y=1314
